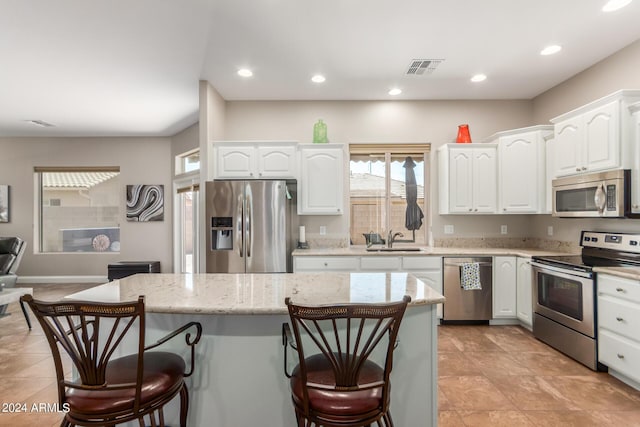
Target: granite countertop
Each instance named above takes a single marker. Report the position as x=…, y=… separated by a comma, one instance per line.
x=259, y=293
x=362, y=251
x=626, y=272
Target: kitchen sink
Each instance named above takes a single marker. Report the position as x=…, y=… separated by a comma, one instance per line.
x=411, y=249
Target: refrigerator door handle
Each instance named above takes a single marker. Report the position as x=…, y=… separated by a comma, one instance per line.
x=239, y=225
x=248, y=217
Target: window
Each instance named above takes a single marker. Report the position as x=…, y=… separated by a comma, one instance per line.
x=383, y=194
x=187, y=221
x=79, y=209
x=188, y=162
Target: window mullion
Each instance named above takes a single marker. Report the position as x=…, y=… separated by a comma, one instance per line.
x=387, y=191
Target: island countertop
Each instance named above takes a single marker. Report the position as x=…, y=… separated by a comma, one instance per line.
x=258, y=293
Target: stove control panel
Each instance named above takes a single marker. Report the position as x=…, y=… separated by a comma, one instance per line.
x=626, y=242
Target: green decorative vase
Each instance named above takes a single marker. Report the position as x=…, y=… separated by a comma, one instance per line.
x=320, y=132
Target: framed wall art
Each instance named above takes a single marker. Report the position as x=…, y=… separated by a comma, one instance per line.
x=4, y=203
x=145, y=203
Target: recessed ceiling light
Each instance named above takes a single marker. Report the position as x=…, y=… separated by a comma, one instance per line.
x=395, y=91
x=478, y=78
x=245, y=72
x=550, y=50
x=318, y=78
x=612, y=5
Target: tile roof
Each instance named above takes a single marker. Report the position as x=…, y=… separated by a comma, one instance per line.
x=75, y=179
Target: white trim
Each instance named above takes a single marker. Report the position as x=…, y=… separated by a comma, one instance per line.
x=62, y=279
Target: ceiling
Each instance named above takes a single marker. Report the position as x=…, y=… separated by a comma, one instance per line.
x=131, y=67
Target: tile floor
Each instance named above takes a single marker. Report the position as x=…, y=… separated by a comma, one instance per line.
x=502, y=376
x=488, y=376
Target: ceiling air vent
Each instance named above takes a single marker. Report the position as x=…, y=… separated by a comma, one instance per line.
x=40, y=123
x=419, y=67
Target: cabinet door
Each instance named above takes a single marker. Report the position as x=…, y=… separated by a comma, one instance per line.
x=519, y=161
x=484, y=180
x=601, y=138
x=504, y=287
x=330, y=263
x=235, y=162
x=567, y=147
x=321, y=180
x=524, y=292
x=460, y=181
x=635, y=173
x=277, y=162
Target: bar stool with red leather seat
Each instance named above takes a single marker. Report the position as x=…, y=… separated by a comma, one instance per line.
x=110, y=390
x=345, y=357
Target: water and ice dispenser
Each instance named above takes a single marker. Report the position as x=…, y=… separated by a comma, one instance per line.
x=221, y=233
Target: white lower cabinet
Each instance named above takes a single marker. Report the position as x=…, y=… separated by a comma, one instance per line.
x=329, y=263
x=426, y=268
x=524, y=292
x=619, y=327
x=429, y=270
x=504, y=287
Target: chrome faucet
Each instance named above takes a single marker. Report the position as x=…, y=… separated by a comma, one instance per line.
x=391, y=237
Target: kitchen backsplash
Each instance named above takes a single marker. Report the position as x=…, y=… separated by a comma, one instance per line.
x=508, y=242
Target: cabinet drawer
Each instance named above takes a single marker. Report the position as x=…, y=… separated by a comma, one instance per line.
x=421, y=263
x=620, y=354
x=619, y=287
x=619, y=316
x=384, y=263
x=327, y=263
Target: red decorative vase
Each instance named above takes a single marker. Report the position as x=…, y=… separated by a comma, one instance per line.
x=463, y=135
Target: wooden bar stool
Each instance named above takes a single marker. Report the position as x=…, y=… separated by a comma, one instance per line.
x=345, y=356
x=109, y=390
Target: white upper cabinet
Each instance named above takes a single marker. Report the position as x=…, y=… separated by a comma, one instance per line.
x=595, y=137
x=521, y=169
x=320, y=186
x=635, y=168
x=468, y=178
x=255, y=160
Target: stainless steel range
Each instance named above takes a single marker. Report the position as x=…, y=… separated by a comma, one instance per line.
x=564, y=302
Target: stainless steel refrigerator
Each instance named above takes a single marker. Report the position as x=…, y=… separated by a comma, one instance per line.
x=250, y=226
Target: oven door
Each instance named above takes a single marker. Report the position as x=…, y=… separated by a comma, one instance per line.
x=565, y=296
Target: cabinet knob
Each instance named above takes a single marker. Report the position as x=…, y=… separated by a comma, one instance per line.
x=577, y=169
x=619, y=319
x=338, y=210
x=620, y=356
x=260, y=174
x=326, y=264
x=504, y=209
x=622, y=290
x=250, y=173
x=476, y=209
x=584, y=168
x=470, y=210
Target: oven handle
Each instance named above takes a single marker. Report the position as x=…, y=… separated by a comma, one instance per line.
x=559, y=271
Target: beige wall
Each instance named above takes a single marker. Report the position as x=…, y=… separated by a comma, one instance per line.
x=141, y=161
x=187, y=140
x=435, y=122
x=619, y=71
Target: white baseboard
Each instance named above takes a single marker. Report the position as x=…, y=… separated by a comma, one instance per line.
x=62, y=279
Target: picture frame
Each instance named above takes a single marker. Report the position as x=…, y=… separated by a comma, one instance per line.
x=145, y=203
x=4, y=203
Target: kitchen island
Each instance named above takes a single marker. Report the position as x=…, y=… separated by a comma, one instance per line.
x=239, y=379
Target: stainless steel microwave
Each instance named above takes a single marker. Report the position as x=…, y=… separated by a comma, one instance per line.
x=600, y=195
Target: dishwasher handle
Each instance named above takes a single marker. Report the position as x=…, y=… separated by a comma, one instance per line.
x=460, y=264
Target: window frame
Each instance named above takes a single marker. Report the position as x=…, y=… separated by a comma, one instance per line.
x=38, y=238
x=389, y=151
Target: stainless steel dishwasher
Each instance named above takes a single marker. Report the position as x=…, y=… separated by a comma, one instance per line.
x=467, y=306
